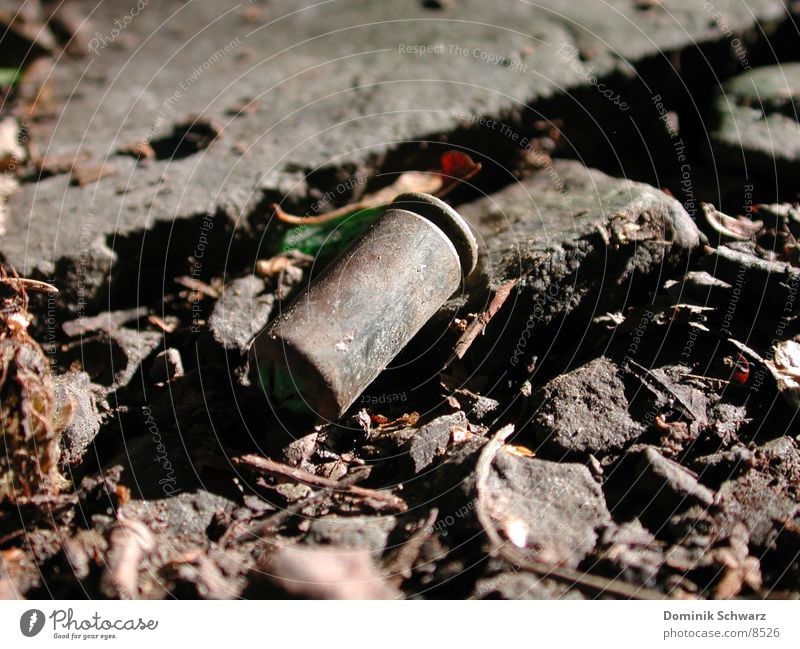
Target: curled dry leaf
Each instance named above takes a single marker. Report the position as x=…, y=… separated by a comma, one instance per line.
x=519, y=451
x=281, y=263
x=286, y=270
x=362, y=419
x=785, y=367
x=739, y=229
x=455, y=167
x=385, y=424
x=30, y=432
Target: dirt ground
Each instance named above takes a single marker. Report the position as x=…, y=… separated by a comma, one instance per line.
x=607, y=406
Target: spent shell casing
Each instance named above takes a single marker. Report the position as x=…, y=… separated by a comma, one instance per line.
x=321, y=353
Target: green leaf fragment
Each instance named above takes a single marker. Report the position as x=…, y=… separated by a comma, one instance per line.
x=332, y=237
x=8, y=76
x=285, y=389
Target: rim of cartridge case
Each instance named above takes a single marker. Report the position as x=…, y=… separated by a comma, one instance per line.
x=447, y=220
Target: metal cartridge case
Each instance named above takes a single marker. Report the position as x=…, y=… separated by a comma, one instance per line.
x=320, y=354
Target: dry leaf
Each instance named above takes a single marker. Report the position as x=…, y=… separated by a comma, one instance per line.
x=455, y=167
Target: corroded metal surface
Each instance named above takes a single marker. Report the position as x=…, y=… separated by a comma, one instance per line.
x=323, y=351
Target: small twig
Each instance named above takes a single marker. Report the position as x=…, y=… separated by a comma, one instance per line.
x=194, y=284
x=12, y=535
x=451, y=183
x=700, y=377
x=497, y=546
x=161, y=324
x=646, y=375
x=197, y=566
x=478, y=325
x=417, y=181
x=28, y=284
x=299, y=475
x=400, y=563
x=49, y=501
x=258, y=526
x=429, y=182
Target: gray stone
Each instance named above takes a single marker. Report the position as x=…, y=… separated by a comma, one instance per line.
x=559, y=506
x=340, y=85
x=764, y=283
x=758, y=123
x=585, y=411
x=765, y=499
x=240, y=313
x=75, y=393
x=136, y=346
x=476, y=406
x=667, y=486
x=184, y=519
x=432, y=439
x=523, y=585
x=581, y=243
x=112, y=358
x=724, y=465
x=631, y=553
x=358, y=532
x=545, y=225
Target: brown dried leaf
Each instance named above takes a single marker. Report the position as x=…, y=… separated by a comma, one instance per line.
x=456, y=167
x=739, y=229
x=84, y=174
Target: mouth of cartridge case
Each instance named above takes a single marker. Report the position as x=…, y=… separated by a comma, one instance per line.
x=450, y=222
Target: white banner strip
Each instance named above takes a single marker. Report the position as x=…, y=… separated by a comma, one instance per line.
x=404, y=625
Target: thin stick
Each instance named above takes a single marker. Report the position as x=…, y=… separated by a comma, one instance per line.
x=401, y=562
x=418, y=181
x=299, y=475
x=478, y=325
x=451, y=183
x=194, y=284
x=429, y=182
x=34, y=285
